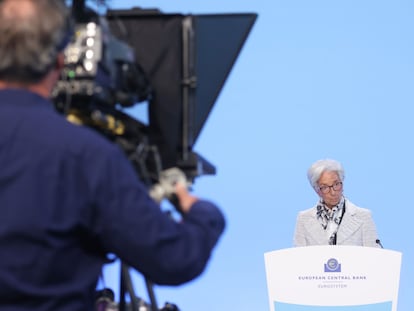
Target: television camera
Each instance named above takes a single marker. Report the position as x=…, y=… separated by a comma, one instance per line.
x=174, y=64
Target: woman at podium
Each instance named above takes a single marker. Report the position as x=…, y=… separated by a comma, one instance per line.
x=333, y=219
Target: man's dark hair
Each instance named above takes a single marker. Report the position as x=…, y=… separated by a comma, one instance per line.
x=32, y=34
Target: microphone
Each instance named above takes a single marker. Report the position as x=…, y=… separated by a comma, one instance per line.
x=379, y=243
x=332, y=239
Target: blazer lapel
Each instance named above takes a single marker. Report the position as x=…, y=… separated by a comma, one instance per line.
x=349, y=223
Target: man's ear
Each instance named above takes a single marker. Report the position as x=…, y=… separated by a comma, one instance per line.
x=60, y=61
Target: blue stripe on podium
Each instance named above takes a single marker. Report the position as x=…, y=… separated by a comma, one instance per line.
x=384, y=306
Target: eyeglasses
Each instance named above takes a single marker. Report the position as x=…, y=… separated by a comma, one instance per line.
x=336, y=186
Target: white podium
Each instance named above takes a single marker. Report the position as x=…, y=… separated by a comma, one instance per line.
x=333, y=278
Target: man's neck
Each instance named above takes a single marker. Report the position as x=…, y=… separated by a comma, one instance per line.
x=38, y=88
x=45, y=86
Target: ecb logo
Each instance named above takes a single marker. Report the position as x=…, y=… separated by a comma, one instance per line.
x=332, y=265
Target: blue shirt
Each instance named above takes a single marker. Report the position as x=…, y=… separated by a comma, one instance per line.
x=68, y=198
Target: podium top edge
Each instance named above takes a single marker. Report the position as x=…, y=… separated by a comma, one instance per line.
x=334, y=248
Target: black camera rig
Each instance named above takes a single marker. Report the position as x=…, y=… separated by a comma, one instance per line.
x=176, y=65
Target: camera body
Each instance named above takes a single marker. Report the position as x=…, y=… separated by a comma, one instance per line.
x=100, y=68
x=100, y=78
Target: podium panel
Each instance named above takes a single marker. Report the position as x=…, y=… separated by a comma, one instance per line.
x=333, y=278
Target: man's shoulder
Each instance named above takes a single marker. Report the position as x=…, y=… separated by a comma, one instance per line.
x=82, y=135
x=36, y=122
x=73, y=139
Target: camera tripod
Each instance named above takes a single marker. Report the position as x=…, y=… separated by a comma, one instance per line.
x=138, y=304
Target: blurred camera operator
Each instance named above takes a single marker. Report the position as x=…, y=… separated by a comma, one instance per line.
x=68, y=196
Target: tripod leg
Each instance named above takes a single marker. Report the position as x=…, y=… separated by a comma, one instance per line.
x=122, y=291
x=150, y=289
x=127, y=287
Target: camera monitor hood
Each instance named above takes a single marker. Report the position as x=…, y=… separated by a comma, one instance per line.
x=187, y=59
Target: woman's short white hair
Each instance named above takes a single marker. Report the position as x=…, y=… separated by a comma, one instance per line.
x=324, y=165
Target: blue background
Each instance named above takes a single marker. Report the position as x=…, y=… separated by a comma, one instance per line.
x=315, y=79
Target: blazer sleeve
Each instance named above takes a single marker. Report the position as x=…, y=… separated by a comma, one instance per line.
x=369, y=231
